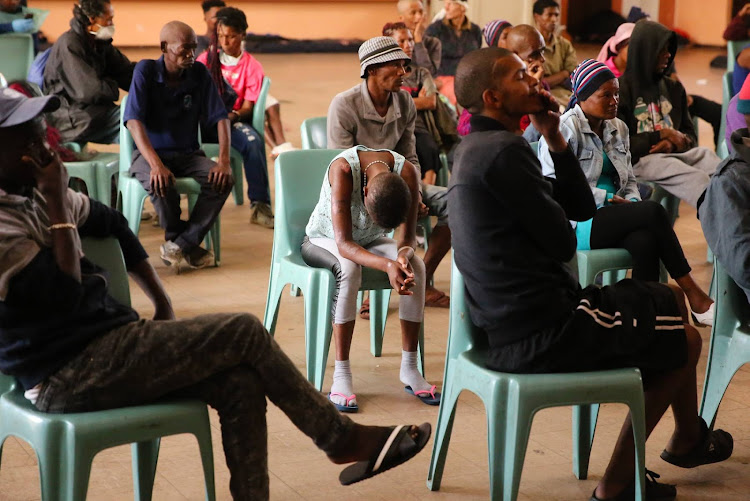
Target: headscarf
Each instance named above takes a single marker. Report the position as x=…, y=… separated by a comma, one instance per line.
x=587, y=78
x=610, y=47
x=493, y=30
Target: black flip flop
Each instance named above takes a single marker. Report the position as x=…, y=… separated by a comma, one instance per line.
x=397, y=448
x=716, y=446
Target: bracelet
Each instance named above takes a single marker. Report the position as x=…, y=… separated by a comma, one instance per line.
x=63, y=226
x=409, y=253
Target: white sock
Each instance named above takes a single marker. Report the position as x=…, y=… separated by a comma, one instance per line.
x=410, y=375
x=342, y=383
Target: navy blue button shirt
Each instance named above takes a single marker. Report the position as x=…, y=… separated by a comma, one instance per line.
x=171, y=115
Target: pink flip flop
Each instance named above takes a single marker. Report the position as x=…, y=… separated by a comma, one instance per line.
x=348, y=398
x=430, y=397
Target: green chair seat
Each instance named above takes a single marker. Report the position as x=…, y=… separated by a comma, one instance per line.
x=512, y=400
x=96, y=174
x=65, y=444
x=299, y=175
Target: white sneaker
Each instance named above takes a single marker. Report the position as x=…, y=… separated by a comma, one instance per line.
x=170, y=253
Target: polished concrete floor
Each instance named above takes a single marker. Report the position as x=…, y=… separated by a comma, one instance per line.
x=305, y=84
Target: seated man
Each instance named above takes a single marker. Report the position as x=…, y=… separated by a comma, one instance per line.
x=74, y=348
x=724, y=211
x=378, y=114
x=427, y=50
x=87, y=72
x=512, y=244
x=168, y=99
x=559, y=54
x=663, y=142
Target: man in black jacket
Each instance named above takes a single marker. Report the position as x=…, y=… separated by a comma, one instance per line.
x=86, y=72
x=512, y=240
x=74, y=348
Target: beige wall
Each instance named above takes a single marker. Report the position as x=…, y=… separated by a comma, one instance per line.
x=139, y=21
x=704, y=21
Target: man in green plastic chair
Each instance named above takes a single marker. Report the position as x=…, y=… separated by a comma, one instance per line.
x=74, y=348
x=512, y=242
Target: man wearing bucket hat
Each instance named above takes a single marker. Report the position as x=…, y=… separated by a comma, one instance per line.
x=378, y=114
x=73, y=347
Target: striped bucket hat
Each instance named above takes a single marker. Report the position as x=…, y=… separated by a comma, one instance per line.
x=379, y=50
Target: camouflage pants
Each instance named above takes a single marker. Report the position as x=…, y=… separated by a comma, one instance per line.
x=227, y=360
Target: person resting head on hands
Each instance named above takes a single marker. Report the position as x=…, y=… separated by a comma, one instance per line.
x=367, y=193
x=601, y=142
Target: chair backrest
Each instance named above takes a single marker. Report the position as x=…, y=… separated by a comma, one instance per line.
x=106, y=253
x=462, y=333
x=299, y=176
x=732, y=307
x=259, y=109
x=16, y=55
x=314, y=133
x=726, y=96
x=535, y=147
x=733, y=50
x=126, y=141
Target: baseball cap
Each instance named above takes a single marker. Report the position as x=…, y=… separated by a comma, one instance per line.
x=15, y=108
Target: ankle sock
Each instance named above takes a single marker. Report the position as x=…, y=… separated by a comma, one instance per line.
x=342, y=382
x=409, y=374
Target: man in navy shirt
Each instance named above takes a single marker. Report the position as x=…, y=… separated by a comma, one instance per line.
x=168, y=100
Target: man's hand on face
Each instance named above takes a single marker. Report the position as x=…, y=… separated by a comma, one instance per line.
x=161, y=179
x=547, y=122
x=680, y=141
x=220, y=176
x=419, y=30
x=50, y=174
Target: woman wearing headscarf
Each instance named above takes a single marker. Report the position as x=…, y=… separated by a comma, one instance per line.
x=601, y=142
x=614, y=53
x=458, y=36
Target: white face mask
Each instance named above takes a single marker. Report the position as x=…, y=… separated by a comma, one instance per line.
x=104, y=33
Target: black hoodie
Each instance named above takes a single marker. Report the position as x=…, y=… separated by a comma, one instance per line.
x=649, y=101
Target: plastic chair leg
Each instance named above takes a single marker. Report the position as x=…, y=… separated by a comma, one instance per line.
x=725, y=358
x=51, y=466
x=507, y=439
x=378, y=314
x=584, y=426
x=78, y=473
x=318, y=329
x=273, y=301
x=144, y=456
x=443, y=431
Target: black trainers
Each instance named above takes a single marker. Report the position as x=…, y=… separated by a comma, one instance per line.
x=654, y=491
x=199, y=257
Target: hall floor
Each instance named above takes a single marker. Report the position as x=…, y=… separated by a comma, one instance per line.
x=305, y=84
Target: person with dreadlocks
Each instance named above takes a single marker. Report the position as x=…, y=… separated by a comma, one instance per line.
x=601, y=142
x=239, y=78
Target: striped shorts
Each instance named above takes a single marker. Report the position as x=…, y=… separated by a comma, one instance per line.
x=629, y=324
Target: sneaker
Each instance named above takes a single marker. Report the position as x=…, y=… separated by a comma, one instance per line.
x=282, y=148
x=199, y=258
x=170, y=253
x=262, y=214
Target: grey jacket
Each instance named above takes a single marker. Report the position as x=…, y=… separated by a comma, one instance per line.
x=589, y=149
x=86, y=75
x=725, y=211
x=427, y=54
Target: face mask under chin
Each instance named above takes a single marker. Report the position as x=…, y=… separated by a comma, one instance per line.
x=104, y=33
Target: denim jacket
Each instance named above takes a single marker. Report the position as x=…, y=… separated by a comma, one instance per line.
x=588, y=148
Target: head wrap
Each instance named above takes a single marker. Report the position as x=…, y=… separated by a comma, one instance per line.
x=610, y=47
x=492, y=31
x=587, y=78
x=743, y=98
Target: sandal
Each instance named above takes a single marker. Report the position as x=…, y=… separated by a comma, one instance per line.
x=364, y=311
x=654, y=491
x=715, y=446
x=430, y=397
x=397, y=448
x=438, y=300
x=348, y=398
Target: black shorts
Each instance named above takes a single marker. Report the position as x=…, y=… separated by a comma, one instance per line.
x=630, y=324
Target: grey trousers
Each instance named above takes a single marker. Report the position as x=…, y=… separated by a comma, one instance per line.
x=227, y=360
x=684, y=175
x=186, y=234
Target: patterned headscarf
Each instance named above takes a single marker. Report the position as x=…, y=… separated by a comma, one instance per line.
x=587, y=78
x=493, y=30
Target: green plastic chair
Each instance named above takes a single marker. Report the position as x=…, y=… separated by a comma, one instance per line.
x=65, y=444
x=17, y=51
x=313, y=133
x=96, y=174
x=726, y=96
x=131, y=194
x=299, y=176
x=730, y=341
x=512, y=400
x=733, y=50
x=258, y=123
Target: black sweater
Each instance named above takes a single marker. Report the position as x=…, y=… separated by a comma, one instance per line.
x=48, y=317
x=511, y=232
